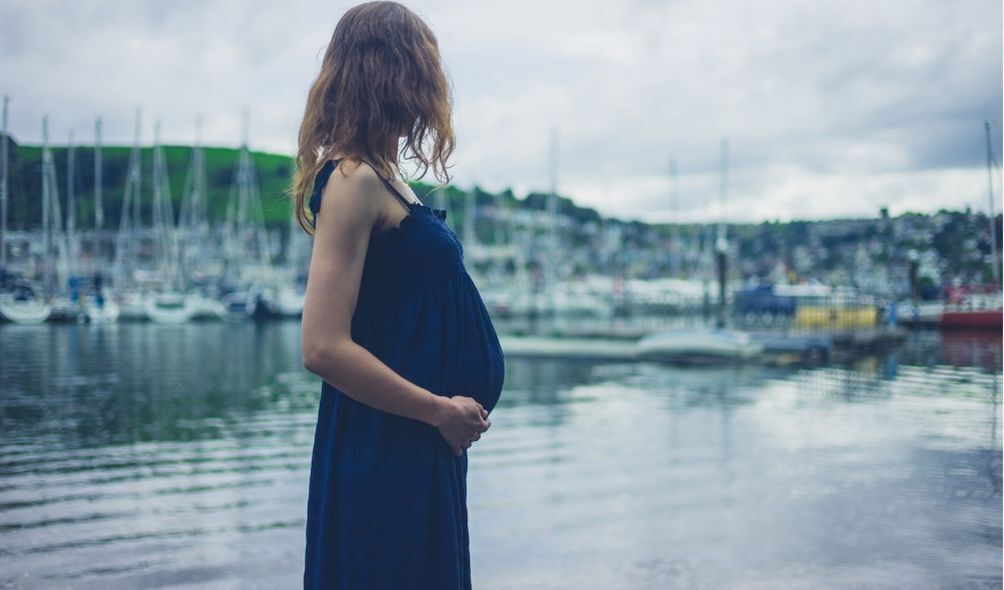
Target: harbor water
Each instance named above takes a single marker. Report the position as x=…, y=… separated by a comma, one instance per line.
x=148, y=456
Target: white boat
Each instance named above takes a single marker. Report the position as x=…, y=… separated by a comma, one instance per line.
x=575, y=301
x=24, y=308
x=104, y=312
x=24, y=304
x=289, y=302
x=169, y=308
x=64, y=309
x=251, y=303
x=239, y=305
x=921, y=312
x=565, y=300
x=504, y=302
x=132, y=306
x=661, y=296
x=207, y=308
x=698, y=346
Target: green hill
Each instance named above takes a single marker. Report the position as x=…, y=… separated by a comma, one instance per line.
x=274, y=171
x=26, y=176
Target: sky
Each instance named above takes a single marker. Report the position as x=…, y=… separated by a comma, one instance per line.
x=826, y=109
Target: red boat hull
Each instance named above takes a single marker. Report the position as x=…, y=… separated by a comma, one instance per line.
x=977, y=319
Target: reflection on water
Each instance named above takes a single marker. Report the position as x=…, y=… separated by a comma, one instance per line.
x=136, y=456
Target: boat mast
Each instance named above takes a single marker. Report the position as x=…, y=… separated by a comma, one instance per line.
x=200, y=219
x=99, y=210
x=673, y=228
x=161, y=254
x=723, y=190
x=137, y=175
x=3, y=188
x=552, y=216
x=721, y=243
x=254, y=194
x=192, y=218
x=470, y=212
x=46, y=233
x=165, y=230
x=126, y=256
x=71, y=204
x=245, y=233
x=255, y=214
x=54, y=237
x=990, y=195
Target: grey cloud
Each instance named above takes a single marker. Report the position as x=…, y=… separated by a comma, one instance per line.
x=836, y=96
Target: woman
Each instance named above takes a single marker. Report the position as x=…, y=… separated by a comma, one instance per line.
x=392, y=321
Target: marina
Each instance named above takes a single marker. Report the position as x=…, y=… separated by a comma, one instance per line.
x=171, y=261
x=726, y=279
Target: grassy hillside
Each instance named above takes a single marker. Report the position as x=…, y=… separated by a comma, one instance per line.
x=26, y=168
x=274, y=172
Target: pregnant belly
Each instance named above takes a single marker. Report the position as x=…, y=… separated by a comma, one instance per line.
x=480, y=368
x=481, y=371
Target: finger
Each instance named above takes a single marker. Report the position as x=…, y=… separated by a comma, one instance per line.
x=487, y=425
x=477, y=436
x=484, y=413
x=466, y=445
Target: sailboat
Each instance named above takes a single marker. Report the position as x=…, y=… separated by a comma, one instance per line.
x=247, y=253
x=705, y=345
x=100, y=308
x=198, y=248
x=979, y=306
x=131, y=297
x=29, y=303
x=169, y=304
x=292, y=291
x=564, y=298
x=507, y=290
x=22, y=303
x=69, y=308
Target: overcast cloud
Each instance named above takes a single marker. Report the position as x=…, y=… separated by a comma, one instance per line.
x=830, y=108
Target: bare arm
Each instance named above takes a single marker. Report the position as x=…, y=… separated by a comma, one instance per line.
x=350, y=211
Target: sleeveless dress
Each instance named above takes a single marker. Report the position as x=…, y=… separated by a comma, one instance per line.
x=387, y=502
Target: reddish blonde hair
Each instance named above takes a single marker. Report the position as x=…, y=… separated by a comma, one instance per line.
x=382, y=79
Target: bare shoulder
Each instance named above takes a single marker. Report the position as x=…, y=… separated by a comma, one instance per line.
x=353, y=189
x=353, y=170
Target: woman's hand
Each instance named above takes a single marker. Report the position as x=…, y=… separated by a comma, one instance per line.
x=462, y=422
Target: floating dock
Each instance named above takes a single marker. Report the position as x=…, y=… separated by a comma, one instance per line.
x=584, y=349
x=779, y=347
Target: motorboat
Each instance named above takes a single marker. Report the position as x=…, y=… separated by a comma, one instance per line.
x=169, y=308
x=207, y=308
x=132, y=306
x=698, y=346
x=101, y=310
x=24, y=306
x=289, y=302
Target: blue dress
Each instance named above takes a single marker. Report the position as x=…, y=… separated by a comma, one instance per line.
x=387, y=503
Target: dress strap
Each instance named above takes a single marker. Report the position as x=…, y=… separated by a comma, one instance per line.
x=390, y=186
x=319, y=180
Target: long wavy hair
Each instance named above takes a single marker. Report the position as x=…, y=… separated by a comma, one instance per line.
x=382, y=80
